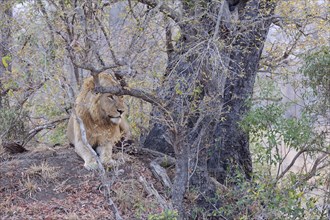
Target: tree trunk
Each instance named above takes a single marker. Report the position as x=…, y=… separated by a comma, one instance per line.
x=229, y=147
x=180, y=181
x=206, y=88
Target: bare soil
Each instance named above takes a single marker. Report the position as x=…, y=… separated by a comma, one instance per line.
x=53, y=184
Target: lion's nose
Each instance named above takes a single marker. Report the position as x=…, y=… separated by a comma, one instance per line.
x=120, y=111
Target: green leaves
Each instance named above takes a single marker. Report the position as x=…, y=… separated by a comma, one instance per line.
x=165, y=215
x=317, y=68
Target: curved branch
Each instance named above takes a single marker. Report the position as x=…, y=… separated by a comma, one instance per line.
x=117, y=90
x=156, y=101
x=291, y=164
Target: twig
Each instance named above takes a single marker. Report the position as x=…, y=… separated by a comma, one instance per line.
x=220, y=15
x=290, y=165
x=163, y=8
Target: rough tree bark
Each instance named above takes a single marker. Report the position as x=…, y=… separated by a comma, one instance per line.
x=231, y=145
x=242, y=27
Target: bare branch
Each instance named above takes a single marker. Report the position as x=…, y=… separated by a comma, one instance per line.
x=117, y=90
x=160, y=172
x=163, y=8
x=290, y=165
x=151, y=190
x=296, y=157
x=220, y=15
x=100, y=167
x=39, y=128
x=107, y=38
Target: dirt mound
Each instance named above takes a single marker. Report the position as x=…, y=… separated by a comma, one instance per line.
x=53, y=184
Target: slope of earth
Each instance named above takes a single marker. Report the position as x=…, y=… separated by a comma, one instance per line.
x=53, y=184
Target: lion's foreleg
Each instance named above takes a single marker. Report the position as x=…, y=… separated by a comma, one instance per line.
x=125, y=129
x=83, y=151
x=105, y=152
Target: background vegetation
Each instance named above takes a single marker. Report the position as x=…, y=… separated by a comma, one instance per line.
x=223, y=86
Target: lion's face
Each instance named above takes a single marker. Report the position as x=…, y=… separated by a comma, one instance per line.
x=112, y=107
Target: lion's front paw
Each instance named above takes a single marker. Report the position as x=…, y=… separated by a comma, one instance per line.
x=109, y=162
x=91, y=166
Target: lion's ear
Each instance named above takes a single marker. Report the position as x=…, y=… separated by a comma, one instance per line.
x=95, y=96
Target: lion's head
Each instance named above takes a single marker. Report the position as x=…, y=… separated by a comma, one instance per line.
x=103, y=109
x=111, y=108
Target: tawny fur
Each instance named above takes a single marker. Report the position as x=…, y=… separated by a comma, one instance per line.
x=103, y=118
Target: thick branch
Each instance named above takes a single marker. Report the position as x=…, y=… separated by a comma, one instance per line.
x=116, y=90
x=152, y=191
x=160, y=172
x=291, y=164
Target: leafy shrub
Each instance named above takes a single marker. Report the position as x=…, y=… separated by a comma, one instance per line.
x=165, y=215
x=13, y=124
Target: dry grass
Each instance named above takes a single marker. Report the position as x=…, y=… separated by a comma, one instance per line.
x=129, y=194
x=43, y=170
x=72, y=216
x=60, y=188
x=29, y=186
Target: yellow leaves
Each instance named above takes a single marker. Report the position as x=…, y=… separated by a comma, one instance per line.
x=177, y=89
x=5, y=60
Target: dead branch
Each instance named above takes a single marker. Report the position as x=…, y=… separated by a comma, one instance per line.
x=160, y=172
x=100, y=167
x=117, y=90
x=290, y=165
x=297, y=156
x=152, y=191
x=315, y=167
x=156, y=154
x=39, y=128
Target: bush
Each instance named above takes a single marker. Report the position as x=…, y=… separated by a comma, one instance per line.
x=13, y=124
x=165, y=215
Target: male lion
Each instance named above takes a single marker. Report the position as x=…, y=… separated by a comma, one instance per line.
x=102, y=115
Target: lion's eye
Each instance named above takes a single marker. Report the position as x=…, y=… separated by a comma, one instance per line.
x=111, y=97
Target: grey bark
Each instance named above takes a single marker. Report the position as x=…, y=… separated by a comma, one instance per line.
x=231, y=145
x=215, y=143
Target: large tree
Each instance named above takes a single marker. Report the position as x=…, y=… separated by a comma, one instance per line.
x=209, y=80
